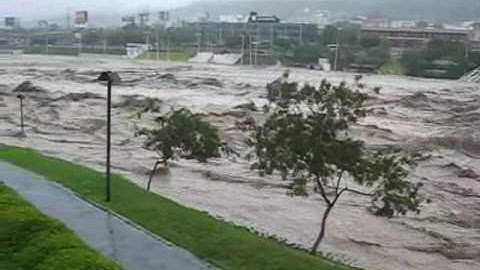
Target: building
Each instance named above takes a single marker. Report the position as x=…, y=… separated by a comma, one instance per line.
x=255, y=18
x=218, y=32
x=402, y=24
x=257, y=29
x=414, y=38
x=136, y=49
x=9, y=23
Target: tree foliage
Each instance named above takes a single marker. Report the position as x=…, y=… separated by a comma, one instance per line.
x=330, y=35
x=422, y=62
x=183, y=134
x=305, y=138
x=308, y=53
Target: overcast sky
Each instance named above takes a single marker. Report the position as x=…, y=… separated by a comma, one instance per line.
x=35, y=9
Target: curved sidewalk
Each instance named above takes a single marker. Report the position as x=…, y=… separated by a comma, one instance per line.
x=131, y=247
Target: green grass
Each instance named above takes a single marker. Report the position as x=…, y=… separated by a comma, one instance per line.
x=31, y=241
x=163, y=56
x=219, y=242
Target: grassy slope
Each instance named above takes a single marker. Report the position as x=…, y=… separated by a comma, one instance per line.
x=218, y=242
x=30, y=240
x=174, y=56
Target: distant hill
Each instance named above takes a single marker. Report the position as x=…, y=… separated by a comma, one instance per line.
x=444, y=10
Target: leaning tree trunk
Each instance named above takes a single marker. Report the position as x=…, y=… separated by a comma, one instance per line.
x=164, y=161
x=322, y=230
x=152, y=174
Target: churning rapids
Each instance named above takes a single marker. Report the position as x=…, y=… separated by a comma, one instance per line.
x=437, y=120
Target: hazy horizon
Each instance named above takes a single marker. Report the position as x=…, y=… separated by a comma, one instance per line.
x=45, y=9
x=105, y=12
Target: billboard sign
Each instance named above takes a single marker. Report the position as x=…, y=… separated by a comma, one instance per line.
x=81, y=19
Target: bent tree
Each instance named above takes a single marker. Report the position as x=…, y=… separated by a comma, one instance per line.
x=306, y=139
x=181, y=134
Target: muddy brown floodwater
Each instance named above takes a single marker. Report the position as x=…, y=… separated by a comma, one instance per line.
x=437, y=120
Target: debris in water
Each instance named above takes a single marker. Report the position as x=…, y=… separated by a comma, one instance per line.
x=28, y=87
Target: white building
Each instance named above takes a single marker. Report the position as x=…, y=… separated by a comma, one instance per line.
x=136, y=49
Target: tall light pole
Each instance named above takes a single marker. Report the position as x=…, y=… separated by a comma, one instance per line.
x=243, y=49
x=337, y=48
x=199, y=41
x=110, y=78
x=168, y=46
x=300, y=35
x=256, y=53
x=105, y=42
x=104, y=46
x=467, y=54
x=79, y=43
x=157, y=43
x=22, y=125
x=250, y=56
x=46, y=44
x=147, y=42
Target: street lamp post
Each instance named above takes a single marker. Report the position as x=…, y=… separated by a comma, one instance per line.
x=22, y=125
x=110, y=78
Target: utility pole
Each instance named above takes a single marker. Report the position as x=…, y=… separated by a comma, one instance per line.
x=257, y=40
x=272, y=38
x=157, y=43
x=243, y=49
x=105, y=42
x=168, y=47
x=250, y=56
x=79, y=43
x=220, y=34
x=300, y=38
x=337, y=53
x=256, y=52
x=199, y=42
x=467, y=54
x=147, y=42
x=46, y=44
x=104, y=46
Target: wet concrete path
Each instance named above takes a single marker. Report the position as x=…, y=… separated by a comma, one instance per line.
x=118, y=240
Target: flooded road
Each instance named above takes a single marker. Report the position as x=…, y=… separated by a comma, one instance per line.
x=436, y=120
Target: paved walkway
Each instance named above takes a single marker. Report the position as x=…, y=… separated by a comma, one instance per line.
x=131, y=247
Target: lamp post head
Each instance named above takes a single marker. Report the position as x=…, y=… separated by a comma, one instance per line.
x=109, y=76
x=21, y=96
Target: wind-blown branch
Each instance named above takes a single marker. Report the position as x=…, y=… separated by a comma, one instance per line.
x=338, y=196
x=339, y=180
x=322, y=191
x=359, y=192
